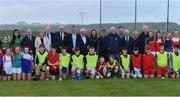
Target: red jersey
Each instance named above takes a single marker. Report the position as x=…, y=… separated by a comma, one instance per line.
x=152, y=45
x=157, y=44
x=175, y=41
x=147, y=61
x=53, y=58
x=136, y=60
x=99, y=67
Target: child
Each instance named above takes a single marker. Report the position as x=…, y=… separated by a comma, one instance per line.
x=136, y=63
x=17, y=63
x=176, y=62
x=148, y=63
x=53, y=58
x=150, y=42
x=159, y=40
x=112, y=66
x=91, y=63
x=64, y=62
x=77, y=63
x=26, y=64
x=1, y=64
x=175, y=39
x=125, y=63
x=7, y=65
x=168, y=43
x=162, y=62
x=5, y=43
x=41, y=63
x=102, y=68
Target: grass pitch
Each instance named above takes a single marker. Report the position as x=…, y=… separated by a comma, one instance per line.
x=108, y=87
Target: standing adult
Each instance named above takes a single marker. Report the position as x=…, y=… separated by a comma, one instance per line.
x=142, y=37
x=49, y=34
x=83, y=41
x=73, y=40
x=120, y=32
x=42, y=39
x=103, y=44
x=60, y=38
x=93, y=39
x=28, y=41
x=114, y=43
x=137, y=41
x=16, y=39
x=127, y=41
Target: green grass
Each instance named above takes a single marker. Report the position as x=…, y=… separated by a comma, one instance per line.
x=110, y=87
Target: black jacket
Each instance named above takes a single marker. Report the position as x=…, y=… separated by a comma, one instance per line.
x=129, y=44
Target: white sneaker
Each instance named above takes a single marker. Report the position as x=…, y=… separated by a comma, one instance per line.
x=60, y=79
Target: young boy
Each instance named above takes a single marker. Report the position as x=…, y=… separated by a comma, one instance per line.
x=77, y=62
x=53, y=58
x=125, y=63
x=112, y=66
x=64, y=62
x=162, y=62
x=136, y=63
x=148, y=62
x=91, y=63
x=176, y=62
x=41, y=63
x=7, y=65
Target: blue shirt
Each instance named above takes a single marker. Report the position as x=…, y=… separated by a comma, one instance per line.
x=74, y=40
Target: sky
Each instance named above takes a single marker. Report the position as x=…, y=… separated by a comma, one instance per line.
x=67, y=11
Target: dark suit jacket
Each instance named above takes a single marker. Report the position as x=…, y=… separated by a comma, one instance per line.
x=129, y=44
x=29, y=43
x=84, y=47
x=70, y=43
x=52, y=37
x=59, y=42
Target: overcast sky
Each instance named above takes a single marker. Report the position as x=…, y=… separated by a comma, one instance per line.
x=66, y=11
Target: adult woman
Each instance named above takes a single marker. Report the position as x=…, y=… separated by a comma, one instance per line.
x=93, y=39
x=41, y=39
x=16, y=39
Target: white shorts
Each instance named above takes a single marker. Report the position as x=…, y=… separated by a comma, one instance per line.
x=16, y=70
x=8, y=70
x=91, y=70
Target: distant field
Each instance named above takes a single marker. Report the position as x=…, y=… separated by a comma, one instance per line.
x=109, y=87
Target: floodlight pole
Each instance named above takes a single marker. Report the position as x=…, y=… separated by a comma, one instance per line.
x=167, y=24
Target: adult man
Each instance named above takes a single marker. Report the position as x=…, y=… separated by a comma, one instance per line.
x=49, y=35
x=83, y=42
x=142, y=37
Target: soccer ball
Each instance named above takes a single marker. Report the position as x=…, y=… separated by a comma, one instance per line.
x=97, y=76
x=54, y=70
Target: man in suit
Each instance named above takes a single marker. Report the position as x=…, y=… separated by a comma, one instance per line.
x=49, y=35
x=73, y=40
x=28, y=41
x=127, y=41
x=83, y=41
x=60, y=38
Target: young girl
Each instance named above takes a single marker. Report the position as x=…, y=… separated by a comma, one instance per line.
x=168, y=43
x=102, y=68
x=159, y=40
x=150, y=42
x=16, y=39
x=26, y=64
x=125, y=63
x=7, y=65
x=5, y=43
x=17, y=63
x=175, y=39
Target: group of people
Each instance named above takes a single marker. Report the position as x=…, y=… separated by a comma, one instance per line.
x=74, y=55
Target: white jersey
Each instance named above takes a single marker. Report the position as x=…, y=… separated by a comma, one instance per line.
x=7, y=61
